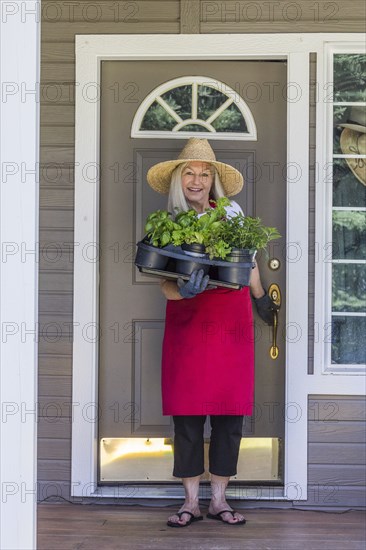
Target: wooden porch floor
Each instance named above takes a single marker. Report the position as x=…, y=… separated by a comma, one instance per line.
x=109, y=527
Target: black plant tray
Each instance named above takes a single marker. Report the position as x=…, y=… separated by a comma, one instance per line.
x=177, y=253
x=174, y=275
x=166, y=262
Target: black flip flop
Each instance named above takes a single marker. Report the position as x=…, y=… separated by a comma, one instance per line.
x=179, y=514
x=218, y=517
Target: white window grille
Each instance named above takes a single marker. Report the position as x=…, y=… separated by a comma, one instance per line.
x=194, y=105
x=345, y=270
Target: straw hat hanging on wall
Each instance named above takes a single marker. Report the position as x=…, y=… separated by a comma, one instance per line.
x=353, y=141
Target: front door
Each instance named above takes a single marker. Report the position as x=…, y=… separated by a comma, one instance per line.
x=135, y=439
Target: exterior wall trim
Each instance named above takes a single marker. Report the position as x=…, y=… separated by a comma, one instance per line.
x=19, y=215
x=295, y=48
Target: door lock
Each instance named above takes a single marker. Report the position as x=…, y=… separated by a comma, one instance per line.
x=274, y=264
x=274, y=293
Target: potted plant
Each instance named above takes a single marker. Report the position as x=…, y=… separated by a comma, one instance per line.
x=159, y=230
x=195, y=232
x=230, y=243
x=188, y=232
x=236, y=241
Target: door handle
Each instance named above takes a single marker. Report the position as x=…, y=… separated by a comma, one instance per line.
x=274, y=293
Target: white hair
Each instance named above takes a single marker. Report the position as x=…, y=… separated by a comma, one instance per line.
x=176, y=199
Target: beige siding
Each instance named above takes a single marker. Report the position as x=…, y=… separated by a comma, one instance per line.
x=235, y=16
x=190, y=17
x=61, y=20
x=342, y=453
x=104, y=11
x=337, y=458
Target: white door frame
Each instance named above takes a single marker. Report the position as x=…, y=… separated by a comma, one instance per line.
x=90, y=51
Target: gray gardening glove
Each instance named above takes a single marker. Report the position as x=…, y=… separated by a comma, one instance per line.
x=197, y=283
x=265, y=308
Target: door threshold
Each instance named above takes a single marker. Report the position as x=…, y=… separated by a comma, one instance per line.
x=234, y=491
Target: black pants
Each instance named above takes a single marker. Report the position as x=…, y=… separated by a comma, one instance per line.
x=226, y=431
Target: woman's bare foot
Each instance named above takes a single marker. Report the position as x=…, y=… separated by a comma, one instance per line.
x=185, y=518
x=216, y=507
x=218, y=500
x=191, y=488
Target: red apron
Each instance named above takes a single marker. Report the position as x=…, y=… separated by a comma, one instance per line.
x=208, y=354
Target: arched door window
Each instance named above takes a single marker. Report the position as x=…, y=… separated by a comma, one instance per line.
x=194, y=104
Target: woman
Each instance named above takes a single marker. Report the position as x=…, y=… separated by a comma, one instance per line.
x=208, y=347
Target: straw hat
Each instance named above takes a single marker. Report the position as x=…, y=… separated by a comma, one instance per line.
x=159, y=175
x=353, y=141
x=356, y=120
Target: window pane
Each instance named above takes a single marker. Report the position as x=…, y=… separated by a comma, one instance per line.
x=349, y=235
x=347, y=189
x=209, y=100
x=192, y=101
x=340, y=115
x=349, y=77
x=349, y=141
x=348, y=340
x=157, y=118
x=180, y=100
x=231, y=120
x=194, y=128
x=349, y=287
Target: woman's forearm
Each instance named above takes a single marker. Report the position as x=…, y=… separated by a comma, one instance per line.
x=256, y=287
x=170, y=290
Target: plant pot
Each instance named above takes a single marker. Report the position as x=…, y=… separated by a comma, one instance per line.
x=195, y=250
x=186, y=267
x=239, y=274
x=149, y=256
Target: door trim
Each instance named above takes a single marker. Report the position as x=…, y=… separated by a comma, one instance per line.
x=90, y=51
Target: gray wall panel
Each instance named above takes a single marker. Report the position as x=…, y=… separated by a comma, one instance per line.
x=84, y=11
x=55, y=449
x=51, y=428
x=65, y=32
x=337, y=457
x=337, y=453
x=330, y=496
x=53, y=364
x=232, y=16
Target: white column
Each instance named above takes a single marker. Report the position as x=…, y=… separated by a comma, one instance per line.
x=19, y=156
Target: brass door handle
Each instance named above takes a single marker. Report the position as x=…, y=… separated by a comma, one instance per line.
x=274, y=293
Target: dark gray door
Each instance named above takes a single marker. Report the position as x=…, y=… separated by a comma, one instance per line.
x=131, y=306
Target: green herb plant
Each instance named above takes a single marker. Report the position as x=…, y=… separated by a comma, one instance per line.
x=217, y=233
x=160, y=228
x=187, y=227
x=199, y=229
x=242, y=232
x=248, y=233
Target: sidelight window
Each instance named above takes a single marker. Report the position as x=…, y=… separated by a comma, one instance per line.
x=346, y=269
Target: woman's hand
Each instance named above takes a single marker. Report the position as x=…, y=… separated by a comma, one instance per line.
x=264, y=304
x=266, y=308
x=177, y=290
x=197, y=283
